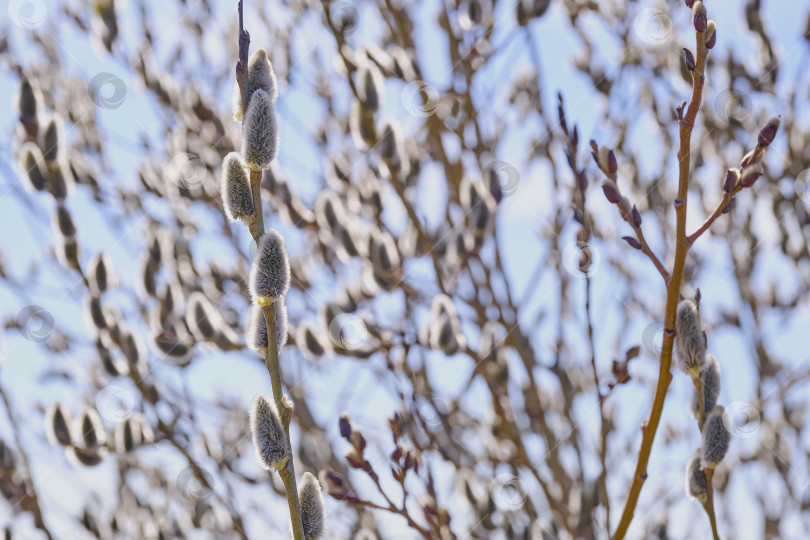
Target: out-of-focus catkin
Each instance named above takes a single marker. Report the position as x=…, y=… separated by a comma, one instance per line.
x=710, y=375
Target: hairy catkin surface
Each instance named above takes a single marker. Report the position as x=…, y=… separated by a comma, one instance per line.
x=237, y=198
x=696, y=485
x=270, y=273
x=710, y=375
x=716, y=438
x=313, y=514
x=269, y=438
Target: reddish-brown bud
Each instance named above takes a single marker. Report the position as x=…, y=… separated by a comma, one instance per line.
x=730, y=205
x=699, y=18
x=689, y=3
x=611, y=193
x=750, y=177
x=632, y=242
x=711, y=35
x=635, y=217
x=732, y=175
x=353, y=461
x=689, y=59
x=345, y=426
x=767, y=133
x=612, y=165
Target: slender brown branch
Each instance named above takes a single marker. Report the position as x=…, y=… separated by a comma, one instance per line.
x=650, y=427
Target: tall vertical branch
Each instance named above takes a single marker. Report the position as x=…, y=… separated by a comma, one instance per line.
x=649, y=428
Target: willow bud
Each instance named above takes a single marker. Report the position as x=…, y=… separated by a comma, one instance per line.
x=269, y=438
x=270, y=273
x=710, y=376
x=690, y=339
x=33, y=164
x=201, y=317
x=689, y=59
x=57, y=420
x=732, y=175
x=313, y=514
x=260, y=141
x=711, y=35
x=696, y=485
x=611, y=191
x=261, y=75
x=750, y=175
x=716, y=439
x=767, y=133
x=699, y=16
x=100, y=273
x=237, y=198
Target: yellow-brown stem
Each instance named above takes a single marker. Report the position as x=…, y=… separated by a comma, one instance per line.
x=650, y=427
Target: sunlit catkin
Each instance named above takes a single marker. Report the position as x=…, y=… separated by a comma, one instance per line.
x=87, y=428
x=237, y=198
x=269, y=438
x=57, y=421
x=260, y=140
x=690, y=339
x=710, y=375
x=696, y=485
x=270, y=273
x=716, y=438
x=313, y=514
x=261, y=75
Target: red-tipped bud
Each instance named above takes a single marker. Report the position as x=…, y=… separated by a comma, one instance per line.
x=767, y=133
x=689, y=59
x=611, y=162
x=750, y=175
x=732, y=175
x=635, y=217
x=611, y=193
x=699, y=18
x=632, y=242
x=345, y=424
x=711, y=35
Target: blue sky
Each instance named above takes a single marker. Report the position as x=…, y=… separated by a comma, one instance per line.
x=24, y=241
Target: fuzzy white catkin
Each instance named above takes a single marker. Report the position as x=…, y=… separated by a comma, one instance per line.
x=269, y=438
x=237, y=198
x=257, y=328
x=696, y=485
x=260, y=140
x=689, y=337
x=261, y=75
x=710, y=375
x=716, y=439
x=270, y=272
x=313, y=513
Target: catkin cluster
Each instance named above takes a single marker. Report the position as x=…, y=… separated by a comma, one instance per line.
x=268, y=283
x=705, y=372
